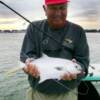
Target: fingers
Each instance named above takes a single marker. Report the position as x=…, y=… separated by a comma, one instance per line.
x=69, y=76
x=73, y=76
x=66, y=76
x=28, y=60
x=31, y=69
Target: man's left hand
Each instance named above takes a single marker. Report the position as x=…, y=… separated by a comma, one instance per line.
x=69, y=76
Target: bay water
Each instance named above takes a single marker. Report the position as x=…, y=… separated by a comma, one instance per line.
x=14, y=87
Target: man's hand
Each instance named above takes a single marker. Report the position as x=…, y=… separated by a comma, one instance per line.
x=69, y=76
x=31, y=69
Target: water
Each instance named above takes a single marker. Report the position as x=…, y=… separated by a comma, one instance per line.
x=14, y=88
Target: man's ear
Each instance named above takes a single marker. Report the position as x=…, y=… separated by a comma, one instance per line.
x=45, y=10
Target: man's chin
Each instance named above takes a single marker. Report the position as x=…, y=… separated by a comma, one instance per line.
x=58, y=25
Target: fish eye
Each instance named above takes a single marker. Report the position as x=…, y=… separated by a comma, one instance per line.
x=78, y=68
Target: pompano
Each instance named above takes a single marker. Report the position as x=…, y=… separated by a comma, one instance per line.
x=54, y=68
x=51, y=67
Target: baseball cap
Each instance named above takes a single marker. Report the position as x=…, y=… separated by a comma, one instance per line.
x=49, y=2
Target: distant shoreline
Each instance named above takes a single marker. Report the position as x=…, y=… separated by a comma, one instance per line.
x=12, y=31
x=23, y=31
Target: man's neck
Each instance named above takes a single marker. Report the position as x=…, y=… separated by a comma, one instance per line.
x=57, y=28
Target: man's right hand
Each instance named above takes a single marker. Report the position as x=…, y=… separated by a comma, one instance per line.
x=31, y=68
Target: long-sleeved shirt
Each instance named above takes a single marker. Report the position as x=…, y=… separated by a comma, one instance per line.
x=74, y=41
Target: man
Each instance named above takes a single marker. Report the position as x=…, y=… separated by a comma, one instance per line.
x=75, y=48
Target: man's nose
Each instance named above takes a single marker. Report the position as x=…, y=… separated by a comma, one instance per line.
x=58, y=12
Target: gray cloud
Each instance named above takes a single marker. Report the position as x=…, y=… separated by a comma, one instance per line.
x=83, y=10
x=25, y=7
x=88, y=9
x=8, y=22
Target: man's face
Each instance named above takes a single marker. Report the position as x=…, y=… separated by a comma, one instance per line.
x=56, y=15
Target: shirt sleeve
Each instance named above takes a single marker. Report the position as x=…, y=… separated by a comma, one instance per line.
x=28, y=47
x=81, y=53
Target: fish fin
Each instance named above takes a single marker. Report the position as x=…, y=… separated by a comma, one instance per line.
x=44, y=55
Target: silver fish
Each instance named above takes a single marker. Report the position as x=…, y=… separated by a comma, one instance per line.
x=51, y=68
x=54, y=68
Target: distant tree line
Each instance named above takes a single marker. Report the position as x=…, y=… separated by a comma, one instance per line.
x=22, y=31
x=92, y=30
x=12, y=31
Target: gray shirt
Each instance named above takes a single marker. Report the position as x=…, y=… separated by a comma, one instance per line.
x=72, y=44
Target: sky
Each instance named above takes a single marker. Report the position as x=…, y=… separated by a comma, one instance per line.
x=83, y=12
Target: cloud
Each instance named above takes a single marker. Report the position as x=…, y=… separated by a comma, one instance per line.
x=78, y=10
x=85, y=12
x=8, y=20
x=25, y=7
x=85, y=8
